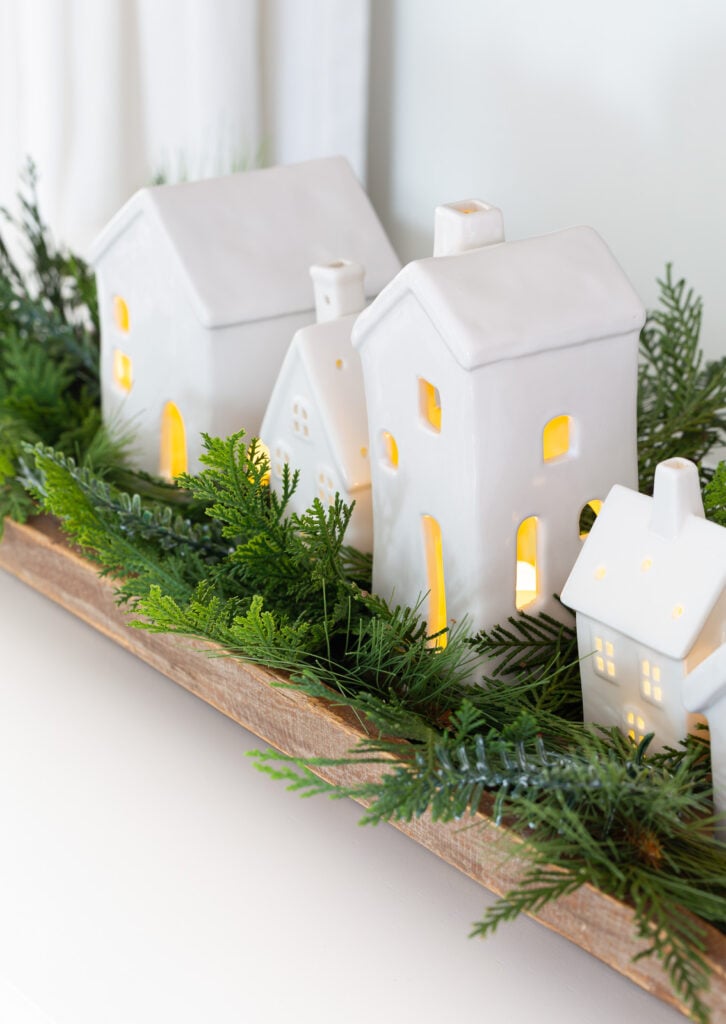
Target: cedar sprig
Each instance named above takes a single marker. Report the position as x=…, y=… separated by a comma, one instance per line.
x=681, y=397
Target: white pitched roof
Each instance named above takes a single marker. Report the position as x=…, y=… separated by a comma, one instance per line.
x=658, y=591
x=339, y=394
x=245, y=242
x=516, y=298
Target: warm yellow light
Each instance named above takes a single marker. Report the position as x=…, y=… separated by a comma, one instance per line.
x=429, y=401
x=390, y=449
x=173, y=459
x=601, y=572
x=527, y=585
x=263, y=452
x=120, y=313
x=556, y=439
x=434, y=552
x=646, y=565
x=678, y=611
x=123, y=375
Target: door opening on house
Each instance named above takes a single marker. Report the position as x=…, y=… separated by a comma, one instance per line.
x=173, y=450
x=434, y=553
x=527, y=585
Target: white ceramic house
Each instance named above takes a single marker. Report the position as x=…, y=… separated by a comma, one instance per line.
x=649, y=590
x=201, y=287
x=501, y=391
x=316, y=420
x=704, y=690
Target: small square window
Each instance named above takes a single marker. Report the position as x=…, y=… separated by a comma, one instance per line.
x=650, y=687
x=301, y=419
x=635, y=724
x=326, y=486
x=604, y=660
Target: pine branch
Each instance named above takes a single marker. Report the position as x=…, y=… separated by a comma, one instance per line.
x=681, y=399
x=714, y=496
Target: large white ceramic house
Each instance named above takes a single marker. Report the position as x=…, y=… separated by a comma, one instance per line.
x=201, y=287
x=649, y=590
x=316, y=420
x=501, y=390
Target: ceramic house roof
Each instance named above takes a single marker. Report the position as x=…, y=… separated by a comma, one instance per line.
x=244, y=243
x=513, y=299
x=338, y=394
x=657, y=590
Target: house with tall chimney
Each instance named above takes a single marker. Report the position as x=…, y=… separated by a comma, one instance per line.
x=316, y=421
x=202, y=285
x=500, y=384
x=649, y=591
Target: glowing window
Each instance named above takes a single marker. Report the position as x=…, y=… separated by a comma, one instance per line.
x=301, y=419
x=527, y=585
x=588, y=515
x=635, y=725
x=429, y=403
x=173, y=455
x=120, y=313
x=389, y=450
x=326, y=486
x=434, y=554
x=123, y=371
x=650, y=686
x=604, y=658
x=556, y=438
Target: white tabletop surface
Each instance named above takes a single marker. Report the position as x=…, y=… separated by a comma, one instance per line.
x=149, y=874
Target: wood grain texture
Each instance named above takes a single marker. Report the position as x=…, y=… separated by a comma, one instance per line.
x=296, y=724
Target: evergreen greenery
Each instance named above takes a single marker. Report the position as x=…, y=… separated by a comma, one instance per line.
x=49, y=350
x=219, y=556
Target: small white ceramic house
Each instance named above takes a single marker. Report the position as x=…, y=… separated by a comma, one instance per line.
x=704, y=691
x=316, y=420
x=501, y=388
x=649, y=590
x=201, y=286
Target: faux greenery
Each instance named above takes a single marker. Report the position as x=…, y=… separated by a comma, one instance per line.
x=49, y=352
x=218, y=556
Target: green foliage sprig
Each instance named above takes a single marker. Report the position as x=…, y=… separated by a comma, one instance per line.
x=681, y=397
x=49, y=350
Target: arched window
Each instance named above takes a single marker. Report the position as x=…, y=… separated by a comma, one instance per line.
x=527, y=585
x=389, y=450
x=557, y=438
x=434, y=553
x=173, y=458
x=588, y=515
x=120, y=314
x=123, y=371
x=429, y=404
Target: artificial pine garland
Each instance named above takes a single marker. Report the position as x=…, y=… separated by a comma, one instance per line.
x=217, y=557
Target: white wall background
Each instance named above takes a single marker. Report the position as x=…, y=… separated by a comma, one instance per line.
x=561, y=112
